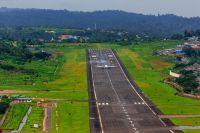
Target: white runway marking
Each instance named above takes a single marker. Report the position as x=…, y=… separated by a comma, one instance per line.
x=102, y=130
x=103, y=104
x=123, y=105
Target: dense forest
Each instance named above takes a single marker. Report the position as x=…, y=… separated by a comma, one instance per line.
x=118, y=20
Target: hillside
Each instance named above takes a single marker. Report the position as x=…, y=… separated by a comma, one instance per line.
x=156, y=25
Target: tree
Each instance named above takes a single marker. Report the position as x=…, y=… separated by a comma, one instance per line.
x=177, y=36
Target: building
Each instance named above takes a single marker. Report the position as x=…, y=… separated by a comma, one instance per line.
x=180, y=52
x=173, y=74
x=21, y=99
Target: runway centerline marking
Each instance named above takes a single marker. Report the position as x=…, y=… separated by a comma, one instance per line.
x=135, y=89
x=117, y=99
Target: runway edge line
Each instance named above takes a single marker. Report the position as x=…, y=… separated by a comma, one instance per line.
x=153, y=107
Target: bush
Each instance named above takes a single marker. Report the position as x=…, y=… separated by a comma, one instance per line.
x=188, y=81
x=3, y=107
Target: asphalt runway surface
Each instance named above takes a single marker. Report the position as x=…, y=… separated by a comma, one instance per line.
x=116, y=106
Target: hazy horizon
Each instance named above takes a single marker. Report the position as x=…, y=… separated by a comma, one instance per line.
x=152, y=7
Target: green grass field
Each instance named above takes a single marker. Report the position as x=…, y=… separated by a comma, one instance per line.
x=72, y=117
x=191, y=131
x=35, y=117
x=148, y=71
x=70, y=82
x=15, y=116
x=187, y=121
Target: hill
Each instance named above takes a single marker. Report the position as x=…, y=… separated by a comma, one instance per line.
x=118, y=20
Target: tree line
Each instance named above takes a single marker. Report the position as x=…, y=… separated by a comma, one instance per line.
x=161, y=25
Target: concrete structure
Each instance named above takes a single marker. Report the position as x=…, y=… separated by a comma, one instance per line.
x=173, y=74
x=117, y=105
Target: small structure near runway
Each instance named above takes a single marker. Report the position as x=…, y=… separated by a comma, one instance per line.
x=20, y=99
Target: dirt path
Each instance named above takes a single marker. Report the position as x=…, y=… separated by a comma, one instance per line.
x=187, y=127
x=179, y=116
x=47, y=122
x=4, y=117
x=4, y=92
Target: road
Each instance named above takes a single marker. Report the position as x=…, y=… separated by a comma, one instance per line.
x=116, y=105
x=47, y=122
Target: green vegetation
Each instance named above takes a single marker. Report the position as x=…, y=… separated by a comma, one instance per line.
x=35, y=117
x=153, y=69
x=20, y=66
x=188, y=81
x=187, y=121
x=15, y=116
x=191, y=131
x=64, y=77
x=72, y=117
x=4, y=104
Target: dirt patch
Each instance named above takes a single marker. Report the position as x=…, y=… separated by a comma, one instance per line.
x=191, y=95
x=8, y=92
x=56, y=52
x=178, y=116
x=160, y=64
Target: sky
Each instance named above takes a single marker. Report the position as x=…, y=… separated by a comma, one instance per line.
x=186, y=8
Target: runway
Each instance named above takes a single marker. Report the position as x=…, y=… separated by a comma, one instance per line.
x=116, y=105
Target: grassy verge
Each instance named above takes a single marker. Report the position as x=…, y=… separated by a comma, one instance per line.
x=187, y=121
x=191, y=131
x=72, y=117
x=15, y=116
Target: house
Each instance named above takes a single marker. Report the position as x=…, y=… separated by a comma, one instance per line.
x=173, y=74
x=21, y=99
x=195, y=67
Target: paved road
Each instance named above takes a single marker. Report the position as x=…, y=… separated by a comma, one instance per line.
x=119, y=107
